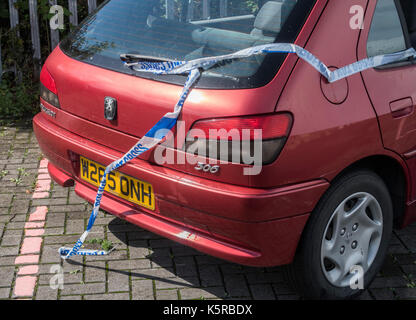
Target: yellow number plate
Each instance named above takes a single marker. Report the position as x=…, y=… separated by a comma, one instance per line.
x=124, y=186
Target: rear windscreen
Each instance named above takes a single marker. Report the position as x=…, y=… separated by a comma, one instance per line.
x=187, y=30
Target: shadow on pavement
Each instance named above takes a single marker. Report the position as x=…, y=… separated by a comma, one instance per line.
x=189, y=268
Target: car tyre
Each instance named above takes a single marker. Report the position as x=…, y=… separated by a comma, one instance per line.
x=356, y=211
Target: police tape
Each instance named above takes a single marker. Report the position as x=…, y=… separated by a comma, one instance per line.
x=158, y=132
x=150, y=139
x=179, y=67
x=85, y=252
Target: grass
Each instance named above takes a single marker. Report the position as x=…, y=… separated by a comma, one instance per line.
x=410, y=283
x=34, y=185
x=17, y=181
x=105, y=244
x=22, y=172
x=3, y=173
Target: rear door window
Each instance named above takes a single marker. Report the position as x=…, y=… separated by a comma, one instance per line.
x=386, y=33
x=187, y=30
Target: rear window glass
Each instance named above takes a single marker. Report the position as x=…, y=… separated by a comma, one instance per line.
x=187, y=30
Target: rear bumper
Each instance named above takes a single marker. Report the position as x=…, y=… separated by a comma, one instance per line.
x=257, y=227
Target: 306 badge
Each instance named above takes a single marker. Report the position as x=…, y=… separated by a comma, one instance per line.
x=207, y=168
x=119, y=184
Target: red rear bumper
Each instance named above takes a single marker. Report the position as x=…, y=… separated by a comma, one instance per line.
x=258, y=227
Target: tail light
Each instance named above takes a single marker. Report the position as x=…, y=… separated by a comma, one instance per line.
x=48, y=91
x=235, y=139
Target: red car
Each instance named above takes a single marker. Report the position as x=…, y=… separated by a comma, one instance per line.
x=338, y=159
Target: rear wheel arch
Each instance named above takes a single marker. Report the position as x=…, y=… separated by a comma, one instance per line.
x=393, y=173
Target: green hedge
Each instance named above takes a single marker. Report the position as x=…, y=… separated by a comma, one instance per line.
x=19, y=93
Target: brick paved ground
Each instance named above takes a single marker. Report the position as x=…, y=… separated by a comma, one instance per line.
x=144, y=266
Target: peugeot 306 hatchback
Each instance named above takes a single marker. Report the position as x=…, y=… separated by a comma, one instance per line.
x=338, y=159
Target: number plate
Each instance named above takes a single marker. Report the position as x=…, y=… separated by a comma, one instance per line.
x=119, y=184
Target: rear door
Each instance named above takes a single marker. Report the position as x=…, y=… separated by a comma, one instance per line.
x=392, y=88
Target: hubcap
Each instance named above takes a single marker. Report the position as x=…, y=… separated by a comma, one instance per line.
x=352, y=238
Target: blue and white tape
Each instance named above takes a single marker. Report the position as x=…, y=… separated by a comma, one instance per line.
x=150, y=139
x=85, y=252
x=179, y=67
x=157, y=133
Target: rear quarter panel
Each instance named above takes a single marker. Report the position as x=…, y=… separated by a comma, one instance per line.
x=326, y=137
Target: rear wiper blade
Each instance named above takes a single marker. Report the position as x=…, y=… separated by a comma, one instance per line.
x=129, y=57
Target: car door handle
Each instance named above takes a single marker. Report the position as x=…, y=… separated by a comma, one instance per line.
x=402, y=107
